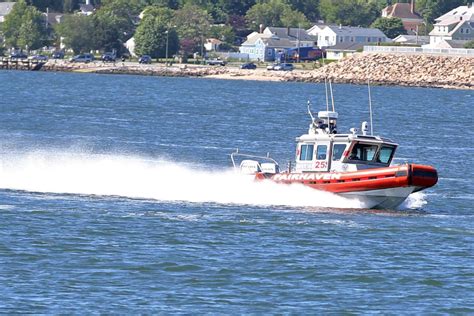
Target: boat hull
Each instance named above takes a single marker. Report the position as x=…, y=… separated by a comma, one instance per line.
x=377, y=187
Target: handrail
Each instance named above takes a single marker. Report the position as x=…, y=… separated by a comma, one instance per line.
x=265, y=158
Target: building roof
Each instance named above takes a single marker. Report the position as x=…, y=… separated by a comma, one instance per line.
x=54, y=18
x=292, y=33
x=456, y=43
x=254, y=37
x=411, y=39
x=402, y=11
x=278, y=42
x=86, y=8
x=347, y=46
x=356, y=31
x=6, y=7
x=462, y=13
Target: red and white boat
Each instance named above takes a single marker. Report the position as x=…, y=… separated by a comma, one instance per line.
x=355, y=165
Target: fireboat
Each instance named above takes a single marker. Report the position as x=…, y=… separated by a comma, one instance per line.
x=354, y=165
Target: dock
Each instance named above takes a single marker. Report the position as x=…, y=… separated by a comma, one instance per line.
x=21, y=64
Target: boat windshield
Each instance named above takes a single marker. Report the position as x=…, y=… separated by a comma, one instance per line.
x=337, y=151
x=385, y=154
x=363, y=152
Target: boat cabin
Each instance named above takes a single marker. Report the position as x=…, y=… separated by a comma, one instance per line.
x=324, y=150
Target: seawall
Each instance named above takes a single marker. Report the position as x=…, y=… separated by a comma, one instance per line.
x=381, y=69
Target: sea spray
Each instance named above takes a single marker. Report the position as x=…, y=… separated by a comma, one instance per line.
x=151, y=178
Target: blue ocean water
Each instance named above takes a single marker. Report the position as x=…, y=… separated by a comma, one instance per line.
x=116, y=195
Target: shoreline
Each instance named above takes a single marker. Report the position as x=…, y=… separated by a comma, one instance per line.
x=381, y=69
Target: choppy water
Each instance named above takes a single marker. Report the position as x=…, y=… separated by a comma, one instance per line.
x=116, y=196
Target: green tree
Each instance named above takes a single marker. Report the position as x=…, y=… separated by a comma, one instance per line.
x=309, y=7
x=392, y=27
x=347, y=12
x=24, y=27
x=113, y=25
x=469, y=45
x=153, y=33
x=275, y=13
x=193, y=26
x=77, y=32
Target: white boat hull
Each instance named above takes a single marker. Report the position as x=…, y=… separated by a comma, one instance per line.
x=383, y=199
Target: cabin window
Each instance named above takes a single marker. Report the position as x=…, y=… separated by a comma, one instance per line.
x=385, y=154
x=306, y=152
x=337, y=151
x=321, y=152
x=363, y=152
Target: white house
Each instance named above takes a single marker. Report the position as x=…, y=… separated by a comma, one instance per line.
x=457, y=24
x=212, y=44
x=331, y=35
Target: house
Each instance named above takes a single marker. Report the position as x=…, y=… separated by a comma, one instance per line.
x=411, y=40
x=86, y=8
x=451, y=44
x=212, y=44
x=406, y=12
x=298, y=36
x=267, y=44
x=331, y=35
x=457, y=24
x=53, y=18
x=5, y=8
x=341, y=50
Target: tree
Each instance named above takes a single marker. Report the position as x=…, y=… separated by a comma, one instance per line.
x=392, y=27
x=113, y=25
x=469, y=45
x=347, y=12
x=275, y=13
x=193, y=25
x=24, y=27
x=309, y=7
x=153, y=33
x=77, y=31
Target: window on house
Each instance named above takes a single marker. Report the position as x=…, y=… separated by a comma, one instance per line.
x=368, y=39
x=306, y=152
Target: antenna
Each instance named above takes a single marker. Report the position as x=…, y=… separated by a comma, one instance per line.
x=332, y=96
x=309, y=111
x=370, y=108
x=326, y=88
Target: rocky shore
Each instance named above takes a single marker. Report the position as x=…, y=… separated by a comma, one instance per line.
x=381, y=69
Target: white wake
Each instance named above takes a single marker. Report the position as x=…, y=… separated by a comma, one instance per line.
x=151, y=178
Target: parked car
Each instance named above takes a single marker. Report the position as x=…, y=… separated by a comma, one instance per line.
x=82, y=58
x=18, y=55
x=272, y=66
x=108, y=57
x=39, y=57
x=58, y=55
x=284, y=67
x=215, y=62
x=248, y=66
x=144, y=59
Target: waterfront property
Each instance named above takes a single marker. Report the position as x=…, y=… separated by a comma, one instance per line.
x=267, y=44
x=457, y=24
x=406, y=12
x=341, y=50
x=330, y=35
